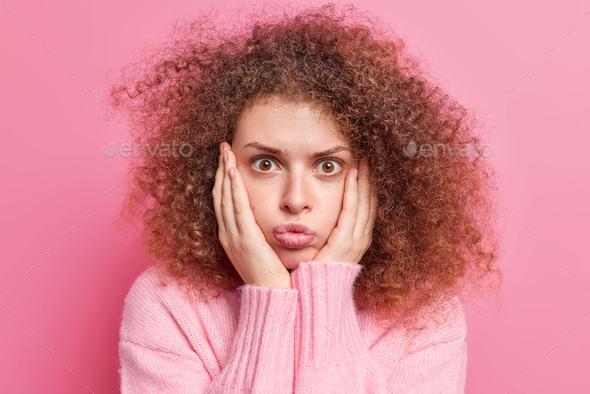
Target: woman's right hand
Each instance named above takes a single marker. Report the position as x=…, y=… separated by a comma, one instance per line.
x=239, y=234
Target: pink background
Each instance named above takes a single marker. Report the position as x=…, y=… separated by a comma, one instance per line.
x=60, y=319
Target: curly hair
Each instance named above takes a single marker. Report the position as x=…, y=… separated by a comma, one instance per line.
x=434, y=234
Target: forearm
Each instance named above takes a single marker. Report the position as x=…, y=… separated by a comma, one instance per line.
x=261, y=358
x=330, y=352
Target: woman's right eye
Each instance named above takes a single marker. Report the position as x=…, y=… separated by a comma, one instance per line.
x=263, y=164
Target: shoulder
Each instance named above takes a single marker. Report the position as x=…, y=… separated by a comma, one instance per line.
x=441, y=327
x=158, y=314
x=442, y=322
x=147, y=309
x=147, y=297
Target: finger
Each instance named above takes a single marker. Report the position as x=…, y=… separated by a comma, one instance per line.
x=217, y=189
x=364, y=198
x=227, y=205
x=348, y=215
x=219, y=174
x=372, y=217
x=245, y=221
x=374, y=204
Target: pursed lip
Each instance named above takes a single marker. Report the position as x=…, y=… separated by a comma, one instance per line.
x=293, y=228
x=294, y=235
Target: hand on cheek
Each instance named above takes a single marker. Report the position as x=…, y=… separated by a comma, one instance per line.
x=352, y=236
x=241, y=238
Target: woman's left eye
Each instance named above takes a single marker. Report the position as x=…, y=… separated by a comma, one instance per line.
x=328, y=166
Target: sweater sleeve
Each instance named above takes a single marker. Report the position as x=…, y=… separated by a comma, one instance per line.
x=262, y=350
x=157, y=357
x=330, y=353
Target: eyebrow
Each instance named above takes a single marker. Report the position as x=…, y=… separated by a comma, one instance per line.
x=279, y=152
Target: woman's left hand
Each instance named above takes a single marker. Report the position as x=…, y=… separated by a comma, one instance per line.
x=352, y=236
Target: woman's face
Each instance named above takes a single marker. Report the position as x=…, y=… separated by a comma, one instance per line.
x=282, y=153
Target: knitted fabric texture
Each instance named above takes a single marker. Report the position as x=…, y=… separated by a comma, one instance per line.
x=308, y=339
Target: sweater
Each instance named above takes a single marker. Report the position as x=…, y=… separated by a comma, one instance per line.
x=307, y=339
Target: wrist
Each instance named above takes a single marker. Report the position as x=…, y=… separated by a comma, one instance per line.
x=275, y=282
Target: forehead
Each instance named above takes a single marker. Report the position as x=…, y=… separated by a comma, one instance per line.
x=287, y=125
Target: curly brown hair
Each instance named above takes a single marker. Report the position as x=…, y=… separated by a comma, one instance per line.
x=434, y=234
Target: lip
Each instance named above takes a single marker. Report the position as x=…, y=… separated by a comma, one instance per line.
x=294, y=235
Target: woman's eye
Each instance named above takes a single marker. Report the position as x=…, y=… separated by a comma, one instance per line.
x=263, y=164
x=328, y=166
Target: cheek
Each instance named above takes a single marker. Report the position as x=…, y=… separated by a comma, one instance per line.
x=258, y=199
x=330, y=208
x=260, y=194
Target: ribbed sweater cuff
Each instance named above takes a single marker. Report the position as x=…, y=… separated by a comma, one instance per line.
x=263, y=346
x=327, y=326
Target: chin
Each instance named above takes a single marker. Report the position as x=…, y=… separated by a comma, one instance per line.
x=291, y=258
x=290, y=264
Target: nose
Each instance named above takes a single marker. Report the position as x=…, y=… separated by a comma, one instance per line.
x=297, y=193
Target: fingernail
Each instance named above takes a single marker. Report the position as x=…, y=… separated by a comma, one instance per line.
x=231, y=173
x=225, y=157
x=356, y=174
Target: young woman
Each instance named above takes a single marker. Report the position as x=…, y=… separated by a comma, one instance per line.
x=306, y=244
